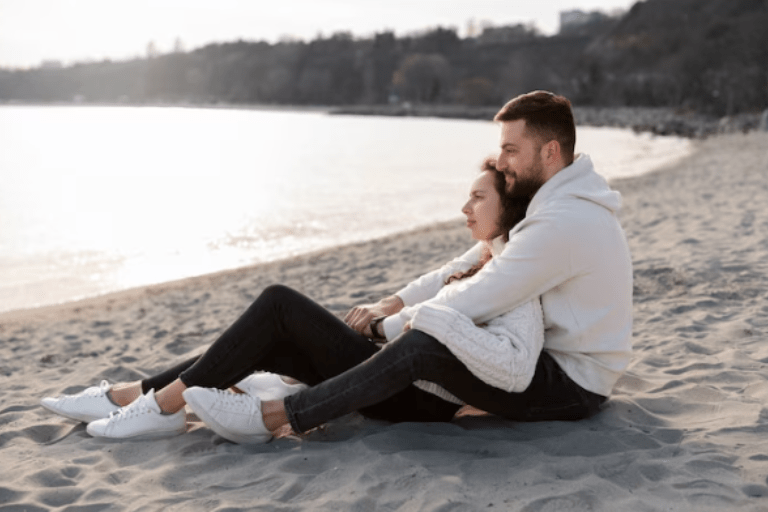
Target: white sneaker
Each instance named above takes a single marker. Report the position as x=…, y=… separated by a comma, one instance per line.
x=88, y=405
x=268, y=386
x=142, y=417
x=236, y=417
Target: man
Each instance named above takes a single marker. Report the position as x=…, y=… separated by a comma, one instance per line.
x=570, y=251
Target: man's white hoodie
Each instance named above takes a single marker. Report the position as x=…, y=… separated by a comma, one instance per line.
x=572, y=252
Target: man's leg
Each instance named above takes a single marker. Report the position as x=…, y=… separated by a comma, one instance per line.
x=416, y=355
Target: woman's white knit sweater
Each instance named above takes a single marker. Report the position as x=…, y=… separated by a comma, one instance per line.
x=502, y=352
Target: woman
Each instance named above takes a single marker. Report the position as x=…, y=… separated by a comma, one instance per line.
x=449, y=359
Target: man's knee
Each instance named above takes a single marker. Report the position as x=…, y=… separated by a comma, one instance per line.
x=418, y=342
x=428, y=359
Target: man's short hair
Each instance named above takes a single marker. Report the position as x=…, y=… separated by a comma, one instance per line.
x=547, y=117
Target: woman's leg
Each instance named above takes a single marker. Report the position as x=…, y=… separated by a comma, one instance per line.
x=161, y=380
x=123, y=393
x=416, y=355
x=282, y=332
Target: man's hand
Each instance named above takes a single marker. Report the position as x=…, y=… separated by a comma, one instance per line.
x=359, y=318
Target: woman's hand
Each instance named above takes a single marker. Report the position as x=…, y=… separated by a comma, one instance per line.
x=359, y=317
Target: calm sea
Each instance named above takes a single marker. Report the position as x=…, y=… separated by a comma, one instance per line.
x=99, y=199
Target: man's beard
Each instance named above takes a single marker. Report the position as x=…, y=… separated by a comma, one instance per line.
x=526, y=187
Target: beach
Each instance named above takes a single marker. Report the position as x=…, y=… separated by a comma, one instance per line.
x=685, y=428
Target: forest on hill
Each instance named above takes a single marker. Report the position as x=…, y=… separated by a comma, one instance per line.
x=706, y=56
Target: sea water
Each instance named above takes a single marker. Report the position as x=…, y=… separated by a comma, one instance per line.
x=100, y=199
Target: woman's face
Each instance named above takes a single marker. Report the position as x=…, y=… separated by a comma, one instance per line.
x=483, y=210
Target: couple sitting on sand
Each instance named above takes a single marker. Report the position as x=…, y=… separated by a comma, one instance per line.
x=532, y=323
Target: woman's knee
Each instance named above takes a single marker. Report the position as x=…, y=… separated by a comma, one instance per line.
x=277, y=293
x=276, y=296
x=269, y=304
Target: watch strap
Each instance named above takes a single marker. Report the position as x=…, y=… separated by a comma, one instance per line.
x=375, y=327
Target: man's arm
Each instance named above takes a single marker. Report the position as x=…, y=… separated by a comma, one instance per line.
x=535, y=260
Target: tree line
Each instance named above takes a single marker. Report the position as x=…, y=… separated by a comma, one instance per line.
x=709, y=56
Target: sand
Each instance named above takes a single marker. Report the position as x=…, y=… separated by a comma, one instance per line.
x=686, y=428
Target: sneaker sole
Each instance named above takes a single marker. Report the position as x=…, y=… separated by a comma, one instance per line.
x=155, y=434
x=81, y=418
x=217, y=427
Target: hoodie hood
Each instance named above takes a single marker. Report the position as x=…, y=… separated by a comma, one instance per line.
x=497, y=245
x=579, y=180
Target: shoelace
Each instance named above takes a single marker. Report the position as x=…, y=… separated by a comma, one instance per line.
x=244, y=402
x=90, y=392
x=101, y=391
x=129, y=411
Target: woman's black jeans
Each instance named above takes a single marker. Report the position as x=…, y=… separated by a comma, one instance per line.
x=286, y=333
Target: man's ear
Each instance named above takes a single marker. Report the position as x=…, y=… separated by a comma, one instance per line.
x=550, y=151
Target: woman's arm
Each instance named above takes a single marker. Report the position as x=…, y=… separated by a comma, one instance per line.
x=423, y=288
x=428, y=285
x=359, y=317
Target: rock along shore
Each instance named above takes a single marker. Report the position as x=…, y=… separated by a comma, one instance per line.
x=657, y=120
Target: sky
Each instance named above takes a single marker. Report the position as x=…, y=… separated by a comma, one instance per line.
x=69, y=31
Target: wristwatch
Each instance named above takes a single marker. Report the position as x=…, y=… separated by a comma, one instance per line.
x=374, y=325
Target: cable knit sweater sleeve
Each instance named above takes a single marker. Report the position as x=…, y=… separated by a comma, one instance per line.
x=426, y=287
x=503, y=353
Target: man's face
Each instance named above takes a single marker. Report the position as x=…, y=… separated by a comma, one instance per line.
x=520, y=157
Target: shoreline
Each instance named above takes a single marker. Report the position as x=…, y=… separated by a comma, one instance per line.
x=128, y=294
